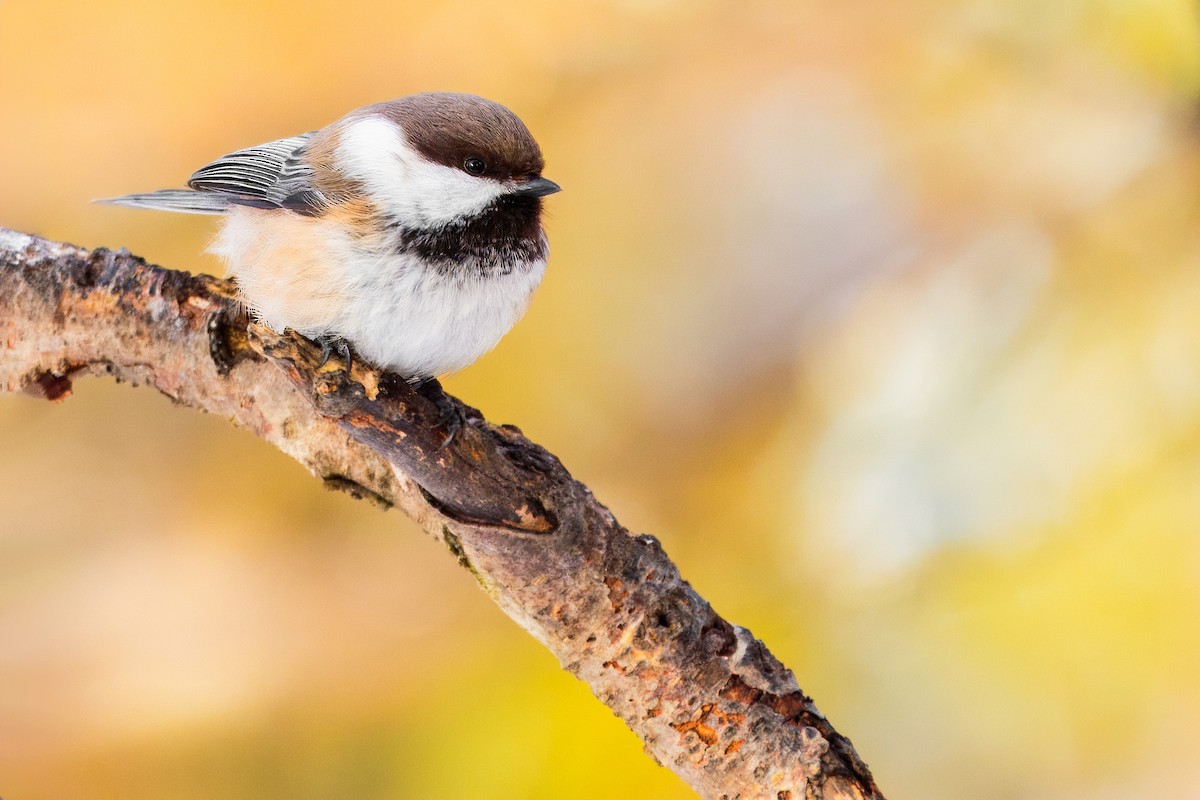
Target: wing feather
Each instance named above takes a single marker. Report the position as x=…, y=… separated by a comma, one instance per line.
x=266, y=176
x=271, y=175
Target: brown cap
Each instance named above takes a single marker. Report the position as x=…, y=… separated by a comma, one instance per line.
x=449, y=128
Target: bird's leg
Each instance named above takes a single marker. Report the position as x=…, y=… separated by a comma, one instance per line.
x=449, y=416
x=330, y=344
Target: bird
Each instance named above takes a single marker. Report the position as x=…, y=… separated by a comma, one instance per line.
x=409, y=230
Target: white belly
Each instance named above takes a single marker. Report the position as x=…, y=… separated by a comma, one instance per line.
x=305, y=273
x=419, y=322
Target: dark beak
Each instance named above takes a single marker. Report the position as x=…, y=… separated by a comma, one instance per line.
x=536, y=187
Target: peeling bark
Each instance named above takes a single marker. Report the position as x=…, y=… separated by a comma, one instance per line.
x=707, y=698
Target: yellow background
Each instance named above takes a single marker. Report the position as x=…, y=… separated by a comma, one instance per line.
x=884, y=317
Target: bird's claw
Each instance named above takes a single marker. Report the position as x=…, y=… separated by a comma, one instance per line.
x=449, y=417
x=331, y=344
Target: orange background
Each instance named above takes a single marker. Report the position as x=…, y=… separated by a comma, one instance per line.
x=883, y=317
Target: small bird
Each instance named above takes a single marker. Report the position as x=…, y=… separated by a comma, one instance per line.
x=410, y=229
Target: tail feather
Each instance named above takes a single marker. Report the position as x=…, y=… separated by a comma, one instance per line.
x=185, y=201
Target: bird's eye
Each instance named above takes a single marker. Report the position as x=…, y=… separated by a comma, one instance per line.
x=474, y=165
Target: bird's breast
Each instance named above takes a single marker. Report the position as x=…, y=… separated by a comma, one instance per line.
x=426, y=318
x=400, y=308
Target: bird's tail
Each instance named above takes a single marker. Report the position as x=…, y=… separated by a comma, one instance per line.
x=185, y=201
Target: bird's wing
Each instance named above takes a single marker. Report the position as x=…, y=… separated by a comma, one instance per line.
x=271, y=175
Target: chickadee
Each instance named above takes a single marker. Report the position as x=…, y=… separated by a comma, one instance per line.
x=410, y=229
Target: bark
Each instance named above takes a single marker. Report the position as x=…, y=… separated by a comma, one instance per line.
x=707, y=698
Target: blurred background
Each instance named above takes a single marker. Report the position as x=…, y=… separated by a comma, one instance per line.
x=884, y=317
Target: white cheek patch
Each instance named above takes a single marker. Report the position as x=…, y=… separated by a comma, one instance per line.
x=405, y=185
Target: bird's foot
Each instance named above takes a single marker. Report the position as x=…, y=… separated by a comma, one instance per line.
x=330, y=344
x=449, y=417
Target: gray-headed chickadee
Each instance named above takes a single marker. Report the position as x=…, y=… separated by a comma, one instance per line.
x=410, y=229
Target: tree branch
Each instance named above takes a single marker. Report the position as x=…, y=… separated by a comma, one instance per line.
x=707, y=698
